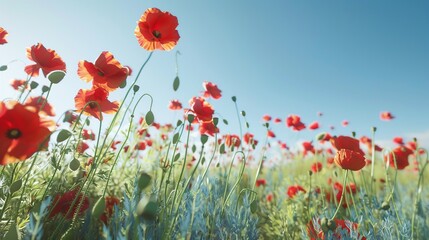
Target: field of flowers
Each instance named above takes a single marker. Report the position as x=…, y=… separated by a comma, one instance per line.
x=101, y=171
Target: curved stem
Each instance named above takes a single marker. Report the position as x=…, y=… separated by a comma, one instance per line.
x=342, y=194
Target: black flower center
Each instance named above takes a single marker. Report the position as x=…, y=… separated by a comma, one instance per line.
x=13, y=133
x=156, y=34
x=100, y=73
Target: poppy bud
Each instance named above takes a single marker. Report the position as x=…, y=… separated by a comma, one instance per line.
x=56, y=76
x=3, y=68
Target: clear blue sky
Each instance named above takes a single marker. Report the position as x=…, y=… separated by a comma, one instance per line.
x=348, y=59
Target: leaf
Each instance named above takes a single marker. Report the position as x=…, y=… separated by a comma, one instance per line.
x=74, y=164
x=144, y=181
x=12, y=233
x=254, y=206
x=175, y=138
x=149, y=118
x=176, y=83
x=15, y=186
x=63, y=135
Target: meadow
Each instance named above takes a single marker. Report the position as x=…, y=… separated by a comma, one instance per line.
x=104, y=171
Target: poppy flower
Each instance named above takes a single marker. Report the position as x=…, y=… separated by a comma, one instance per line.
x=208, y=128
x=266, y=118
x=70, y=117
x=3, y=34
x=270, y=197
x=211, y=90
x=249, y=138
x=106, y=72
x=22, y=132
x=398, y=140
x=261, y=182
x=340, y=225
x=277, y=120
x=345, y=123
x=316, y=167
x=88, y=134
x=81, y=147
x=294, y=189
x=17, y=84
x=114, y=144
x=45, y=59
x=400, y=154
x=368, y=142
x=348, y=159
x=271, y=134
x=38, y=102
x=308, y=147
x=294, y=121
x=63, y=202
x=157, y=30
x=111, y=201
x=412, y=145
x=201, y=108
x=313, y=125
x=175, y=105
x=345, y=142
x=232, y=140
x=97, y=99
x=386, y=116
x=325, y=137
x=140, y=146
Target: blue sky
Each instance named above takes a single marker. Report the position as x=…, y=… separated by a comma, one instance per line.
x=348, y=59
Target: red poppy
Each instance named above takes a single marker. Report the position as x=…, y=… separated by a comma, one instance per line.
x=398, y=140
x=232, y=140
x=45, y=59
x=412, y=145
x=63, y=202
x=338, y=191
x=340, y=225
x=293, y=190
x=3, y=34
x=261, y=182
x=17, y=84
x=208, y=128
x=325, y=137
x=345, y=123
x=283, y=145
x=202, y=109
x=107, y=72
x=38, y=102
x=400, y=154
x=316, y=167
x=81, y=147
x=111, y=201
x=368, y=142
x=175, y=105
x=270, y=197
x=97, y=99
x=266, y=118
x=88, y=134
x=140, y=146
x=313, y=125
x=22, y=132
x=348, y=159
x=277, y=120
x=70, y=117
x=157, y=30
x=345, y=142
x=114, y=143
x=271, y=134
x=308, y=147
x=211, y=90
x=294, y=121
x=249, y=138
x=386, y=116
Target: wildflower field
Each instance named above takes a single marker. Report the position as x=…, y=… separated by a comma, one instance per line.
x=107, y=169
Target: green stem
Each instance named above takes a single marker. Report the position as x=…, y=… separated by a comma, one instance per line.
x=342, y=195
